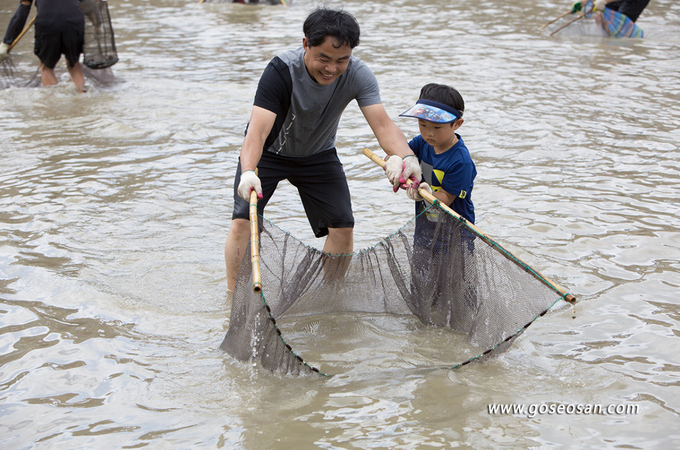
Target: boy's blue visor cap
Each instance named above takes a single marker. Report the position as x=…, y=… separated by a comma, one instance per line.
x=432, y=112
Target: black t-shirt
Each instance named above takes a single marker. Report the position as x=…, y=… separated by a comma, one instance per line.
x=55, y=16
x=307, y=113
x=631, y=8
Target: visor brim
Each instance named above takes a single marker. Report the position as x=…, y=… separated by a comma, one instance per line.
x=429, y=113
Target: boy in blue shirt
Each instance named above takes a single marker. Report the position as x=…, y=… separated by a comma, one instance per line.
x=448, y=170
x=444, y=277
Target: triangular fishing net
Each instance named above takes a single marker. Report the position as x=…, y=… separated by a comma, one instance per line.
x=18, y=71
x=437, y=267
x=99, y=50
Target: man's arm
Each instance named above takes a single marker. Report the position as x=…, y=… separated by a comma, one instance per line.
x=259, y=127
x=17, y=22
x=399, y=167
x=261, y=122
x=389, y=135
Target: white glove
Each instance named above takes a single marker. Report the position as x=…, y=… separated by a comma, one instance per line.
x=600, y=4
x=413, y=193
x=412, y=170
x=249, y=181
x=4, y=51
x=394, y=167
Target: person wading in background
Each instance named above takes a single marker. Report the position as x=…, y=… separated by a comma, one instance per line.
x=59, y=30
x=630, y=8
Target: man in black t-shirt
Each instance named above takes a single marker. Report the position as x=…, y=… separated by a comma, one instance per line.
x=291, y=134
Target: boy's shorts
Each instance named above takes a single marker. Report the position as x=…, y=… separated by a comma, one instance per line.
x=49, y=47
x=320, y=180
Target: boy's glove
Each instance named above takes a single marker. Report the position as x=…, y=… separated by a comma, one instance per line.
x=394, y=167
x=413, y=193
x=599, y=5
x=4, y=51
x=576, y=7
x=249, y=181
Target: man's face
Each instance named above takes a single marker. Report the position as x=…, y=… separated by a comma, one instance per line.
x=325, y=63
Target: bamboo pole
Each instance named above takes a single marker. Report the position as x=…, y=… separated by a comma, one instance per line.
x=30, y=24
x=555, y=20
x=567, y=24
x=255, y=243
x=432, y=199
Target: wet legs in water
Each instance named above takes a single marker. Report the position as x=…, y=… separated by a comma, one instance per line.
x=50, y=79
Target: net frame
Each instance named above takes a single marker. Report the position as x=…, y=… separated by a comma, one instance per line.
x=99, y=49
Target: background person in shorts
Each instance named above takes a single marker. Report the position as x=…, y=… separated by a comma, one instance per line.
x=291, y=134
x=59, y=29
x=630, y=8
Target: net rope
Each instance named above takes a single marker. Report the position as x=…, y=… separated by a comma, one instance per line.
x=436, y=267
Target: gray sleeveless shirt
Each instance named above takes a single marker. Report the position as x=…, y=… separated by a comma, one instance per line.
x=308, y=114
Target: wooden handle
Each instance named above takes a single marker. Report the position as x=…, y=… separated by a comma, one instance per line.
x=555, y=20
x=255, y=243
x=432, y=199
x=567, y=24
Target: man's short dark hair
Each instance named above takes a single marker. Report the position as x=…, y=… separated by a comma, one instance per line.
x=443, y=94
x=340, y=25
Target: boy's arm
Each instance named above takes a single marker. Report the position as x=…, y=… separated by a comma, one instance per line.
x=444, y=197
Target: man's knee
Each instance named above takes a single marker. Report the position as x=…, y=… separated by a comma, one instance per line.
x=344, y=232
x=339, y=241
x=240, y=228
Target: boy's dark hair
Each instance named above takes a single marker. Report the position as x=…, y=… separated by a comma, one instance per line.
x=443, y=94
x=340, y=25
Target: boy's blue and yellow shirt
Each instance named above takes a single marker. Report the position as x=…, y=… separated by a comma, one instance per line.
x=453, y=171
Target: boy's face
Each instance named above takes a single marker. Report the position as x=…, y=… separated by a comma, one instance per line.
x=325, y=63
x=441, y=136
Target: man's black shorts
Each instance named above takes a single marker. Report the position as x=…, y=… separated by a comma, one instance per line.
x=320, y=180
x=50, y=46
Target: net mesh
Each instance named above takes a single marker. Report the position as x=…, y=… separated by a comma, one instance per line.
x=22, y=72
x=436, y=267
x=18, y=71
x=99, y=50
